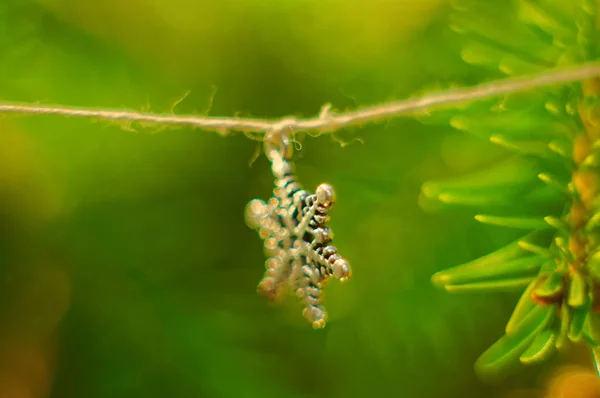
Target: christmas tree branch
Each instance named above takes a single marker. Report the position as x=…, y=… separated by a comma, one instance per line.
x=326, y=121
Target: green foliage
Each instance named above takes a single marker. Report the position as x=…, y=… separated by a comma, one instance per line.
x=542, y=188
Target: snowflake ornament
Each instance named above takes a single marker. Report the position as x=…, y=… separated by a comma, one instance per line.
x=297, y=240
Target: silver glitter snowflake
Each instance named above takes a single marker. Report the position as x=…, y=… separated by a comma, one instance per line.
x=293, y=225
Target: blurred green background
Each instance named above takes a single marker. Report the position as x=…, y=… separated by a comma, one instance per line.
x=126, y=269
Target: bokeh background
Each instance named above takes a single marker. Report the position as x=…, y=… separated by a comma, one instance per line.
x=126, y=269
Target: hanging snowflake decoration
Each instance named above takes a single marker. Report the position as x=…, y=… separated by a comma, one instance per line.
x=297, y=240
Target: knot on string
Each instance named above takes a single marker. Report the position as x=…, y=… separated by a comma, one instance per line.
x=284, y=124
x=279, y=149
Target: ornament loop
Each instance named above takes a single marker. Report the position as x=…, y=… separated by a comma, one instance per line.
x=278, y=146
